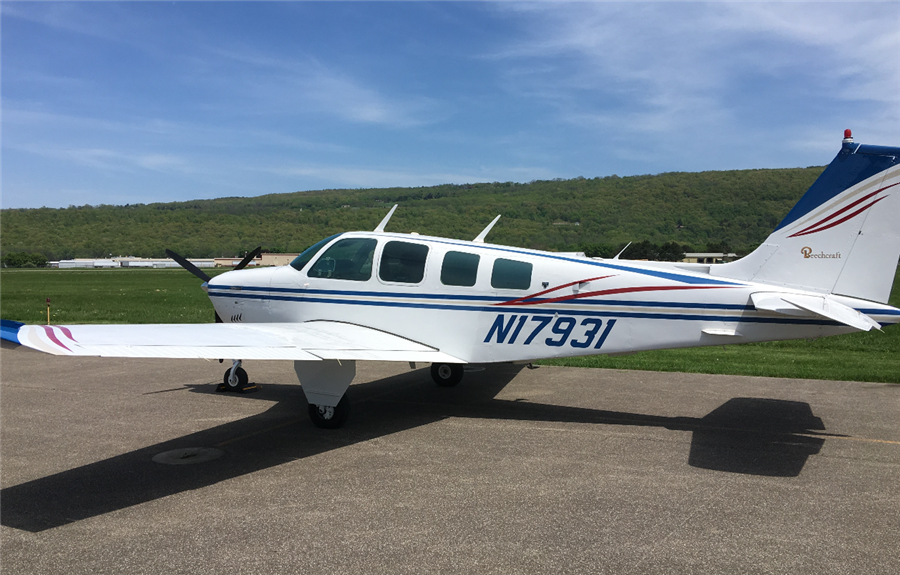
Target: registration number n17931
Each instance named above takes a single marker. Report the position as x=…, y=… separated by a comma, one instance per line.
x=527, y=328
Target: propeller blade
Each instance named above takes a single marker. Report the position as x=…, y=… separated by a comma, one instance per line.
x=188, y=265
x=248, y=259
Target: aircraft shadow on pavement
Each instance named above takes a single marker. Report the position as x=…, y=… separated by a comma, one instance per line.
x=744, y=435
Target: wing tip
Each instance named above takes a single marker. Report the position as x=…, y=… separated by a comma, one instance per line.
x=9, y=330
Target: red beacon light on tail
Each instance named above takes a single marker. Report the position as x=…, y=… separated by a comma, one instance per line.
x=848, y=136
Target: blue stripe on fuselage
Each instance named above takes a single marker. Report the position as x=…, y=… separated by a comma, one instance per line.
x=303, y=294
x=545, y=311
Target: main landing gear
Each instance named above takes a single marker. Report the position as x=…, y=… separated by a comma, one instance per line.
x=328, y=417
x=446, y=374
x=325, y=384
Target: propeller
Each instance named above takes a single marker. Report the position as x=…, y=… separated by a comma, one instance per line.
x=246, y=260
x=202, y=275
x=188, y=266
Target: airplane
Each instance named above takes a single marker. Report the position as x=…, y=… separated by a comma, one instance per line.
x=826, y=269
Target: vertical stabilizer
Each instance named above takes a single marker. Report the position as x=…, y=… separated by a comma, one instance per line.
x=842, y=237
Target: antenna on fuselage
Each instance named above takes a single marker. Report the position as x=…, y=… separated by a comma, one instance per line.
x=387, y=218
x=622, y=252
x=481, y=236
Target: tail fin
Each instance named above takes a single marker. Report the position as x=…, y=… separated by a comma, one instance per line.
x=842, y=237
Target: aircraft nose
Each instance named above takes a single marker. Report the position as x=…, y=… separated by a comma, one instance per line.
x=256, y=277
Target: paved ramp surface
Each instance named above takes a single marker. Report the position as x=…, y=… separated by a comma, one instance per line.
x=139, y=466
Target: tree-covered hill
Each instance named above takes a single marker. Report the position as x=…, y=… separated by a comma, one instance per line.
x=735, y=208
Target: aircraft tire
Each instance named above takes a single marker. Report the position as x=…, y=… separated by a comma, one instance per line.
x=446, y=374
x=330, y=417
x=241, y=383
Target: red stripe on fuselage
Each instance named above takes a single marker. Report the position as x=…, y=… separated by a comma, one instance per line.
x=546, y=291
x=611, y=292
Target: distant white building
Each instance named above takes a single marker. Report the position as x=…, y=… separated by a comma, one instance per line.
x=231, y=262
x=163, y=262
x=277, y=259
x=129, y=263
x=87, y=263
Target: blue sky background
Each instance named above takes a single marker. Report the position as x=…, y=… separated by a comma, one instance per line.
x=117, y=103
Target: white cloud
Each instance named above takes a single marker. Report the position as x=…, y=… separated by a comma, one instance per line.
x=199, y=99
x=27, y=128
x=305, y=84
x=850, y=43
x=674, y=65
x=116, y=161
x=228, y=75
x=113, y=22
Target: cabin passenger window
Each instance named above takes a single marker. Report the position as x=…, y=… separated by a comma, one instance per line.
x=509, y=274
x=349, y=259
x=459, y=269
x=403, y=262
x=309, y=253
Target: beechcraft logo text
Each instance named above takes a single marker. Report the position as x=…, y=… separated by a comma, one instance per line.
x=808, y=253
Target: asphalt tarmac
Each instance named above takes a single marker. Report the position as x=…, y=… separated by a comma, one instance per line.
x=139, y=466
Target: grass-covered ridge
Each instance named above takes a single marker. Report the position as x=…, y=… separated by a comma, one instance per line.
x=739, y=208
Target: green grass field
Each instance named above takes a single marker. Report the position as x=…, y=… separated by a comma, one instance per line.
x=104, y=296
x=174, y=296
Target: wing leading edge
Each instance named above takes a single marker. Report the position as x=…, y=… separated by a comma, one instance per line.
x=310, y=341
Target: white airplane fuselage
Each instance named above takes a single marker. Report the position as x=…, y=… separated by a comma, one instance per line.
x=567, y=306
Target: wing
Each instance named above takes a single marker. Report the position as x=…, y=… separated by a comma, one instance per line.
x=310, y=341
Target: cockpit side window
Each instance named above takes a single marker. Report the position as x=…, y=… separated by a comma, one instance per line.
x=349, y=259
x=309, y=253
x=403, y=262
x=510, y=274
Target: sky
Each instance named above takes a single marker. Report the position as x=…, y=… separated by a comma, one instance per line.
x=141, y=102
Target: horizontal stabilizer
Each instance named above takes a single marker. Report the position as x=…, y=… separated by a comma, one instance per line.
x=808, y=305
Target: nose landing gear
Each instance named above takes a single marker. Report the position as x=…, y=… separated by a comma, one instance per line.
x=236, y=379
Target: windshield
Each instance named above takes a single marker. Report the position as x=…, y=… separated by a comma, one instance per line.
x=347, y=259
x=300, y=261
